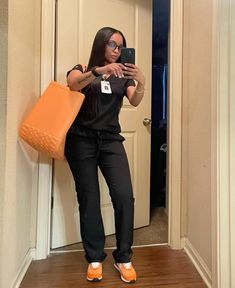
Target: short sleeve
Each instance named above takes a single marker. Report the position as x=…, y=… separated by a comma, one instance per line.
x=129, y=82
x=77, y=67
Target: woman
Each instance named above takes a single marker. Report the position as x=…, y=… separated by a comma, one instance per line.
x=94, y=140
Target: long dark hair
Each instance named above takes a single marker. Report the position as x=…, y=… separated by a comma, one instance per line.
x=97, y=58
x=102, y=37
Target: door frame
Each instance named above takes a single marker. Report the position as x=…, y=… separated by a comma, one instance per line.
x=45, y=163
x=223, y=145
x=174, y=128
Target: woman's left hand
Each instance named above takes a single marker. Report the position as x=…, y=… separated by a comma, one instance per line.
x=131, y=71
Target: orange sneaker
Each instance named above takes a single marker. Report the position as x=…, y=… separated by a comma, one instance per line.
x=94, y=272
x=127, y=272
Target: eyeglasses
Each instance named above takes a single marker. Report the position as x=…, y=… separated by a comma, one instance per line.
x=113, y=45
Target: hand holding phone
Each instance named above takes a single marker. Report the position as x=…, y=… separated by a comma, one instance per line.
x=131, y=71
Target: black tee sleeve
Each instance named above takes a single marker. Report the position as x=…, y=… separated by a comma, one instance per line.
x=130, y=82
x=77, y=67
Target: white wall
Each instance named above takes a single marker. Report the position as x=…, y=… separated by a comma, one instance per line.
x=3, y=89
x=19, y=193
x=196, y=126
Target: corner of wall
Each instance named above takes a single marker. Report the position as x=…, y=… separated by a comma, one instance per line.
x=196, y=141
x=20, y=23
x=199, y=263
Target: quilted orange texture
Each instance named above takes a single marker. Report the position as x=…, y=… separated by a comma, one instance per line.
x=46, y=125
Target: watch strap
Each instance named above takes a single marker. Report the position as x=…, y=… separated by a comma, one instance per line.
x=94, y=72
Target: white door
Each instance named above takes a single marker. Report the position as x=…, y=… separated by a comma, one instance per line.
x=77, y=23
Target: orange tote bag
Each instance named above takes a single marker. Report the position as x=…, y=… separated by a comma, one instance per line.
x=46, y=126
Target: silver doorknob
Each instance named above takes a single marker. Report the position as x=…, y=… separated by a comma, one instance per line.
x=147, y=122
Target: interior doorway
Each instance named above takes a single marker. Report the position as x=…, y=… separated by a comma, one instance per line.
x=161, y=11
x=65, y=213
x=174, y=128
x=158, y=178
x=157, y=231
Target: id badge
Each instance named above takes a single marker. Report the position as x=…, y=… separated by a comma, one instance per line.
x=105, y=87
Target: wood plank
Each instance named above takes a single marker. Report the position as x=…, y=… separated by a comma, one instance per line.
x=157, y=266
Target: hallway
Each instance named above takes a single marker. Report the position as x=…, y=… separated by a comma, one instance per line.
x=157, y=266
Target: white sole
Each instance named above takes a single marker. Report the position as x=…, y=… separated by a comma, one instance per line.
x=94, y=279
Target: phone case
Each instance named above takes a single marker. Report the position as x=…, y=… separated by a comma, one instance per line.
x=128, y=55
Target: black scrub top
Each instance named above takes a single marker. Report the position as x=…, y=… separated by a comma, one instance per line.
x=106, y=119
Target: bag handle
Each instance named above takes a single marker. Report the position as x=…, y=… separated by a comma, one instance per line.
x=84, y=68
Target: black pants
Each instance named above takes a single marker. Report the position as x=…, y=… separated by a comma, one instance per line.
x=84, y=155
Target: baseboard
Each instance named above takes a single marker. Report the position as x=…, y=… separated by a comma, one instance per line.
x=198, y=262
x=23, y=268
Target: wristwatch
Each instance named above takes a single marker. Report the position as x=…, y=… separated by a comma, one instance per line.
x=94, y=72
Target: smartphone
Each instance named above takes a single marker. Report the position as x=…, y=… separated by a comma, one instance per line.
x=127, y=55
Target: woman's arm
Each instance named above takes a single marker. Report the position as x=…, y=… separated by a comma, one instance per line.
x=135, y=94
x=77, y=80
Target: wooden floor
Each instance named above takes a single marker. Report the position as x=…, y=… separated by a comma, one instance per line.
x=157, y=266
